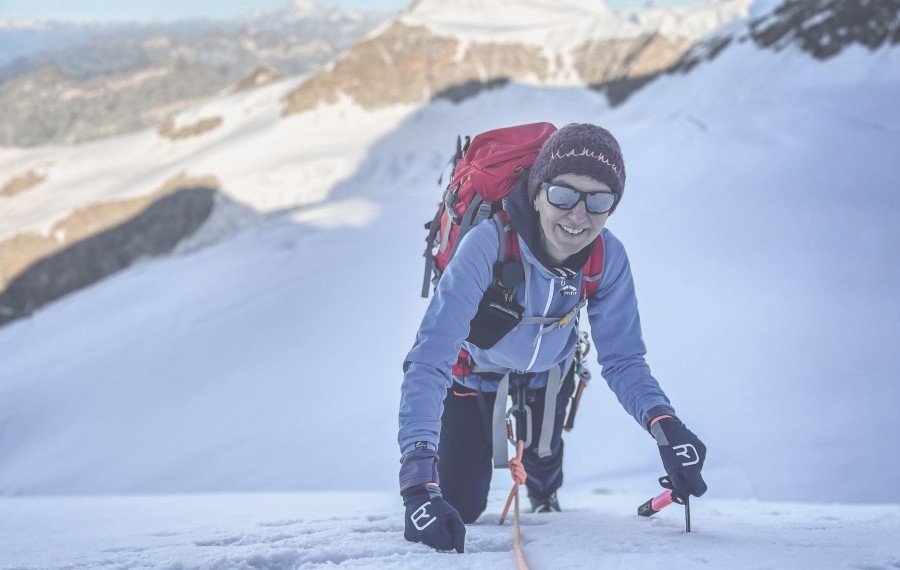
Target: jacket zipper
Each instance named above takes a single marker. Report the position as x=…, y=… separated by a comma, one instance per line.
x=537, y=342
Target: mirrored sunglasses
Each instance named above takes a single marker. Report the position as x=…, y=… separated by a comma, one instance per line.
x=566, y=198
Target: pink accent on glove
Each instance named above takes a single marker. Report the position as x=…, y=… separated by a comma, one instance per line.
x=657, y=418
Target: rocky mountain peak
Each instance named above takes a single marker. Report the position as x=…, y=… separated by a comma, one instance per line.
x=453, y=49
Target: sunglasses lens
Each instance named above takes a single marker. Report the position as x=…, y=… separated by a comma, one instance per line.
x=600, y=202
x=563, y=197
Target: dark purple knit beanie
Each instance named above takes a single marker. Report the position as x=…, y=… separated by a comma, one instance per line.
x=579, y=148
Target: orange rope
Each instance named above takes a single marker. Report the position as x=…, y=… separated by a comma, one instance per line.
x=517, y=539
x=517, y=470
x=512, y=494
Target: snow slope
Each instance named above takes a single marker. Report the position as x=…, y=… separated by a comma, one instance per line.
x=760, y=217
x=364, y=530
x=267, y=177
x=767, y=284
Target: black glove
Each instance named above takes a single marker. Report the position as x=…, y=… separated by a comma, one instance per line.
x=431, y=520
x=682, y=455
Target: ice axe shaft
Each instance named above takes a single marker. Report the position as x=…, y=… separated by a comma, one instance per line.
x=570, y=421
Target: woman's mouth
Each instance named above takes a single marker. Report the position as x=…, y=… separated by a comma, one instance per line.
x=571, y=231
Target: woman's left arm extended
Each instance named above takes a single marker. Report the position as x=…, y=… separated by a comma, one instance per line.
x=616, y=332
x=616, y=328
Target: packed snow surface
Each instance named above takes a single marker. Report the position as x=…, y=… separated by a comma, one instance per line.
x=364, y=530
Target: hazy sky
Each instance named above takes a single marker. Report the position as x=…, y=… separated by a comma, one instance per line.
x=174, y=9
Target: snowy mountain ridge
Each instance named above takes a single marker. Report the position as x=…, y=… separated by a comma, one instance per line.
x=568, y=24
x=471, y=46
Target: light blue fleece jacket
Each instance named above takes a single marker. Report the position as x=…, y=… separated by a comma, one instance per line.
x=612, y=312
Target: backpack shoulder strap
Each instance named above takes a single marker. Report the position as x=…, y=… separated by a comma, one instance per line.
x=593, y=268
x=509, y=243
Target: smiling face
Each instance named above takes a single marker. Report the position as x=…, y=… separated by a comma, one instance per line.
x=566, y=232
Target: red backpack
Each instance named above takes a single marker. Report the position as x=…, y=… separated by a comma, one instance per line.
x=485, y=171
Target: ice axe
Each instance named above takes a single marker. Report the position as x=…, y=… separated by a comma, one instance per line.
x=665, y=499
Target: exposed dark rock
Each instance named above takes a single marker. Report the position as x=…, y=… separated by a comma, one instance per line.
x=469, y=89
x=618, y=90
x=705, y=51
x=824, y=28
x=154, y=232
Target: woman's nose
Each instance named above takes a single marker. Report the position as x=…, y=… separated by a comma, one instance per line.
x=579, y=212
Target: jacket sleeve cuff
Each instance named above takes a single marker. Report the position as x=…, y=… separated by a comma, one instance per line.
x=418, y=467
x=657, y=411
x=417, y=445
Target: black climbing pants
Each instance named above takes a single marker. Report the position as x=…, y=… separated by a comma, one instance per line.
x=465, y=452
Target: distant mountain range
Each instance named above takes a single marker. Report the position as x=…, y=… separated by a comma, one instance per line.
x=66, y=82
x=232, y=47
